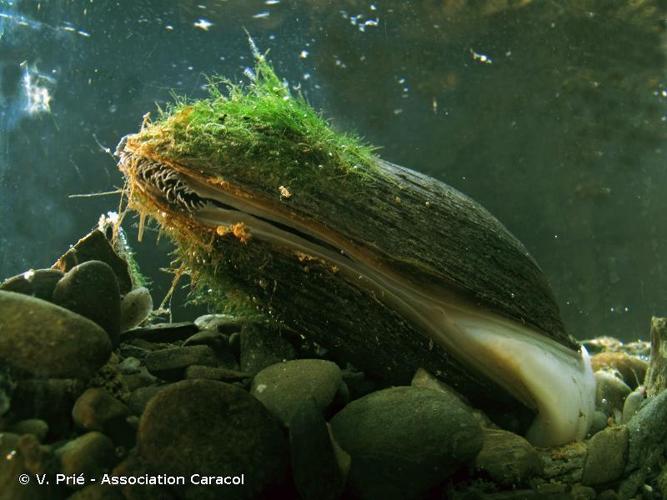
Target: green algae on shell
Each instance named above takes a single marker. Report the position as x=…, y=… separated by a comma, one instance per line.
x=388, y=268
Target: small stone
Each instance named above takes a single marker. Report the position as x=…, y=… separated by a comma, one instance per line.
x=39, y=283
x=631, y=368
x=141, y=396
x=221, y=323
x=610, y=393
x=95, y=246
x=405, y=432
x=507, y=458
x=262, y=346
x=314, y=466
x=135, y=307
x=139, y=348
x=423, y=378
x=142, y=378
x=600, y=421
x=91, y=454
x=212, y=428
x=283, y=387
x=161, y=332
x=607, y=453
x=49, y=341
x=219, y=343
x=129, y=366
x=48, y=399
x=216, y=373
x=17, y=284
x=170, y=364
x=97, y=410
x=633, y=402
x=35, y=426
x=91, y=290
x=44, y=282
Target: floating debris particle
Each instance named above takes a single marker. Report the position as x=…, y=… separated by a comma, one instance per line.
x=476, y=56
x=285, y=193
x=203, y=24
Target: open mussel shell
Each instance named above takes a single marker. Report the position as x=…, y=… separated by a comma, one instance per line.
x=389, y=269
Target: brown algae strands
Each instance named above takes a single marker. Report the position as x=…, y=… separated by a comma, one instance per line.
x=389, y=269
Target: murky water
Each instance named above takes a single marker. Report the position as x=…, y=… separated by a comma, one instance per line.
x=551, y=114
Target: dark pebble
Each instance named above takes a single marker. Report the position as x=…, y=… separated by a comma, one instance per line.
x=91, y=454
x=35, y=426
x=91, y=290
x=219, y=343
x=140, y=397
x=213, y=428
x=283, y=387
x=314, y=466
x=97, y=410
x=221, y=323
x=162, y=332
x=170, y=364
x=17, y=284
x=405, y=440
x=135, y=307
x=44, y=282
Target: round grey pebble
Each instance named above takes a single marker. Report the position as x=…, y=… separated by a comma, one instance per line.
x=605, y=460
x=405, y=440
x=135, y=307
x=96, y=409
x=49, y=341
x=633, y=402
x=212, y=428
x=91, y=290
x=611, y=392
x=283, y=387
x=508, y=459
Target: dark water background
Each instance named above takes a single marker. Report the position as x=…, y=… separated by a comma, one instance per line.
x=551, y=114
